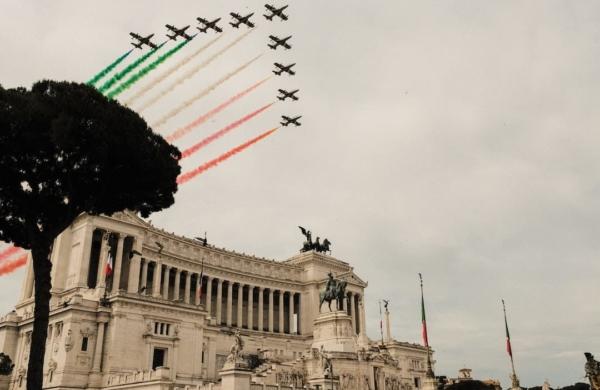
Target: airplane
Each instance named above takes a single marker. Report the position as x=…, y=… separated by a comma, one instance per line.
x=287, y=94
x=141, y=41
x=241, y=20
x=279, y=42
x=208, y=25
x=178, y=32
x=276, y=12
x=290, y=121
x=284, y=68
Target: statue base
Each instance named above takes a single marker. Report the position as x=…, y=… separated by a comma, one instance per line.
x=324, y=383
x=333, y=332
x=235, y=378
x=429, y=384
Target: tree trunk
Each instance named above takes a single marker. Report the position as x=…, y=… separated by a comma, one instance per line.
x=41, y=272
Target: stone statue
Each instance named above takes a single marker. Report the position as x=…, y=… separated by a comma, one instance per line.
x=326, y=363
x=334, y=290
x=309, y=245
x=235, y=351
x=69, y=340
x=592, y=371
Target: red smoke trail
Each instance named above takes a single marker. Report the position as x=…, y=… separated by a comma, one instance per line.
x=193, y=149
x=203, y=118
x=13, y=265
x=5, y=254
x=185, y=177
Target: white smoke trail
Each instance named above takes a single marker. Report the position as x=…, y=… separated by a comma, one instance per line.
x=190, y=73
x=170, y=71
x=201, y=94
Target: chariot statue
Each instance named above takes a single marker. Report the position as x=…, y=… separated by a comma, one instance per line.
x=592, y=371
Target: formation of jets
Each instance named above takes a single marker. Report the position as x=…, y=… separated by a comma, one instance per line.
x=209, y=25
x=238, y=20
x=178, y=32
x=279, y=42
x=275, y=12
x=141, y=41
x=175, y=33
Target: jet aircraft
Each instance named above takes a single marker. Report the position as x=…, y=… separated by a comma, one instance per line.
x=279, y=42
x=178, y=32
x=141, y=41
x=276, y=12
x=287, y=94
x=209, y=25
x=284, y=68
x=290, y=121
x=241, y=20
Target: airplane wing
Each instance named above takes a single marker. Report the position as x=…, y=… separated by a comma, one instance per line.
x=282, y=91
x=287, y=118
x=273, y=38
x=136, y=36
x=237, y=16
x=270, y=7
x=202, y=20
x=172, y=28
x=286, y=45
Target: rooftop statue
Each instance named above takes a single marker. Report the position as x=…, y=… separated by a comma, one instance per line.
x=317, y=246
x=592, y=371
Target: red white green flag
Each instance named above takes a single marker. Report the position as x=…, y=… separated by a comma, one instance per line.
x=508, y=346
x=108, y=269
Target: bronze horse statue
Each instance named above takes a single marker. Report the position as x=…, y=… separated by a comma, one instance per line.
x=338, y=295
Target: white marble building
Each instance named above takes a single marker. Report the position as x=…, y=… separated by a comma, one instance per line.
x=163, y=325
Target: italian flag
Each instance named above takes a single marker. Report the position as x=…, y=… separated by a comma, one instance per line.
x=108, y=269
x=199, y=291
x=508, y=347
x=424, y=321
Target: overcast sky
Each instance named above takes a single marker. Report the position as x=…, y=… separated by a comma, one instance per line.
x=454, y=138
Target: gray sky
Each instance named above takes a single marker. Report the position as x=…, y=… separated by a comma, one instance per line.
x=457, y=139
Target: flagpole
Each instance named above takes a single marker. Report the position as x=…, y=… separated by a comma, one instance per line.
x=381, y=322
x=429, y=373
x=514, y=378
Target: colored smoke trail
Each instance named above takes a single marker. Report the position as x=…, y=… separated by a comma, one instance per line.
x=5, y=254
x=10, y=266
x=170, y=71
x=133, y=79
x=204, y=117
x=185, y=177
x=110, y=82
x=107, y=70
x=191, y=72
x=201, y=94
x=194, y=148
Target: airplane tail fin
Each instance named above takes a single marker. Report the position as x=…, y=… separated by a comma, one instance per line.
x=268, y=17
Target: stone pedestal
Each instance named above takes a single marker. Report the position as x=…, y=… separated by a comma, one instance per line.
x=235, y=378
x=333, y=331
x=429, y=384
x=324, y=383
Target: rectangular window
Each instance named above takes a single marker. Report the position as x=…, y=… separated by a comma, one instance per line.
x=418, y=383
x=158, y=358
x=84, y=344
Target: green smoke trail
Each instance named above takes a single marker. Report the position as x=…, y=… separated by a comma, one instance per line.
x=128, y=69
x=106, y=70
x=133, y=79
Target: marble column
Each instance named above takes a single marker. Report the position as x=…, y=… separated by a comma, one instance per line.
x=198, y=292
x=133, y=284
x=291, y=313
x=281, y=312
x=188, y=286
x=298, y=319
x=144, y=280
x=177, y=284
x=209, y=295
x=353, y=312
x=229, y=303
x=98, y=350
x=345, y=304
x=219, y=300
x=250, y=306
x=84, y=267
x=104, y=249
x=157, y=279
x=240, y=306
x=118, y=263
x=270, y=310
x=261, y=312
x=165, y=293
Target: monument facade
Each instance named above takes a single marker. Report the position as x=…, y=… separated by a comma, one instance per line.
x=136, y=307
